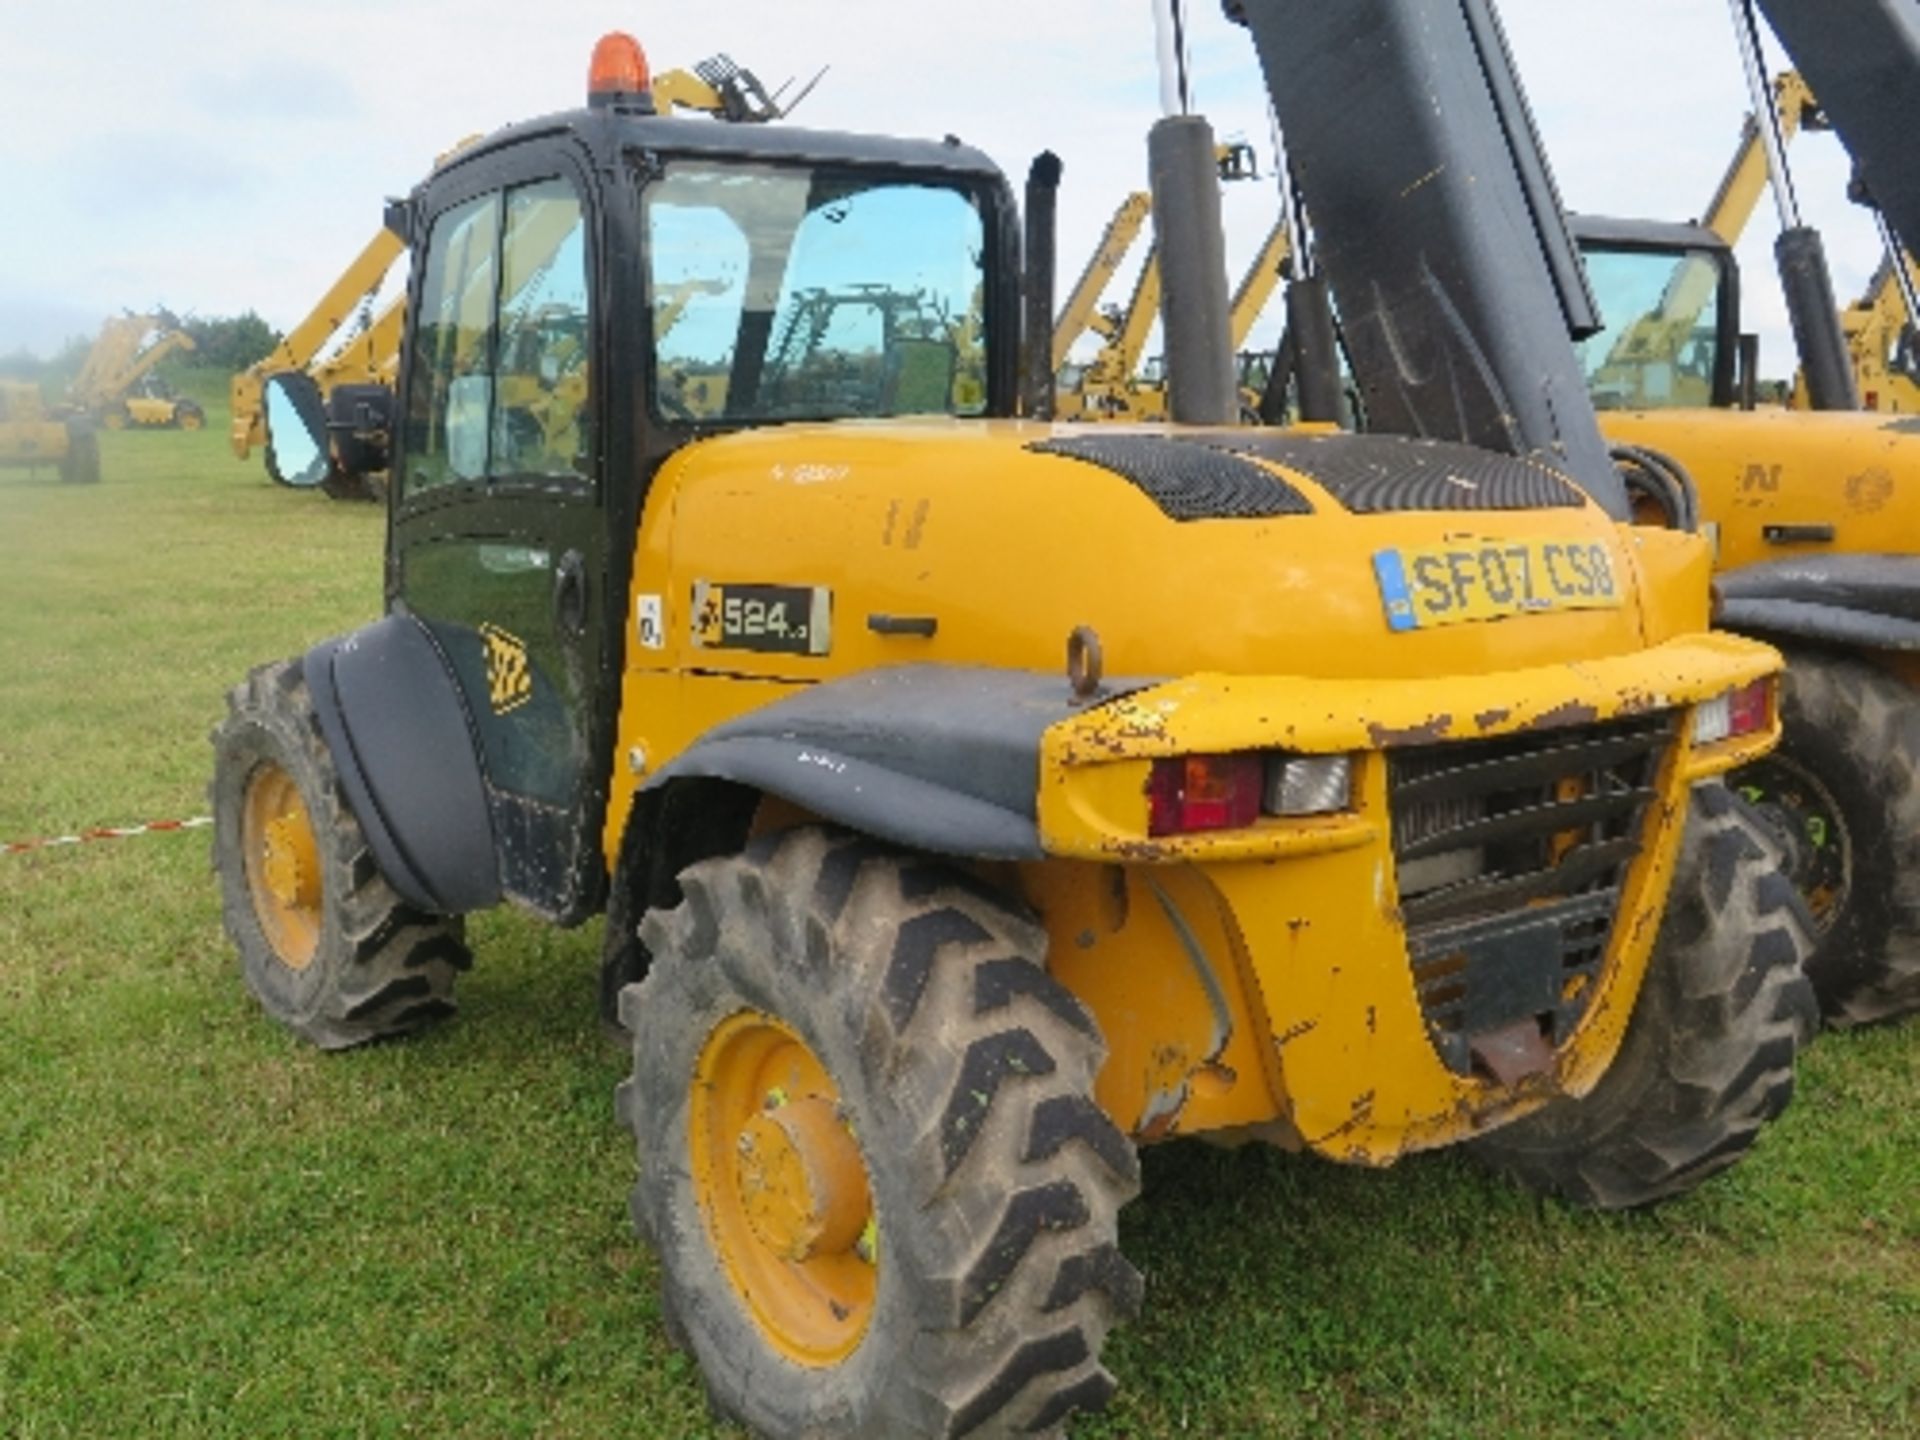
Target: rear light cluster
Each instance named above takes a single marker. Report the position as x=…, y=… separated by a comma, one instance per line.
x=1744, y=710
x=1191, y=793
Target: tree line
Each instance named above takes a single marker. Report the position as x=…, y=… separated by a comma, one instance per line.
x=220, y=342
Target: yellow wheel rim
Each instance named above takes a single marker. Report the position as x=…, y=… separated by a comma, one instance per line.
x=283, y=864
x=778, y=1174
x=190, y=420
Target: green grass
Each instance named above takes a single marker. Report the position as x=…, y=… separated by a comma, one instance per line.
x=206, y=1229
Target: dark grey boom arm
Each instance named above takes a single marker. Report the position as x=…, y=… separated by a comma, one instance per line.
x=1437, y=223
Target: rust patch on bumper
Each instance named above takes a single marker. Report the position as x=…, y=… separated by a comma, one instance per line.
x=1425, y=733
x=1573, y=712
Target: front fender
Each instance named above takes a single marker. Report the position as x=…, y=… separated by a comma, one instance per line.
x=1865, y=600
x=393, y=718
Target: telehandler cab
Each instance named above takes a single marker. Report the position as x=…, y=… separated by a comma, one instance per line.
x=333, y=356
x=1372, y=811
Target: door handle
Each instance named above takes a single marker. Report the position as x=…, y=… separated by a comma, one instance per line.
x=570, y=593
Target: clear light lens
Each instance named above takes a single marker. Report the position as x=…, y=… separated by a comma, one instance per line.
x=1713, y=719
x=1310, y=785
x=1744, y=710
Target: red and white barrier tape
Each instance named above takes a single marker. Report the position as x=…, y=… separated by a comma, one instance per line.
x=106, y=832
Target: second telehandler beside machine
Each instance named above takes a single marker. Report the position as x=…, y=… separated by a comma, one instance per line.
x=1814, y=515
x=972, y=799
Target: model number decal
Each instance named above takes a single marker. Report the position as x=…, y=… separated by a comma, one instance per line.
x=773, y=619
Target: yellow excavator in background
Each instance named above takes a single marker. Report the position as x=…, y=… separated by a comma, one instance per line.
x=370, y=354
x=117, y=385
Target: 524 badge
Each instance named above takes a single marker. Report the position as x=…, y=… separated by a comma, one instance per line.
x=772, y=619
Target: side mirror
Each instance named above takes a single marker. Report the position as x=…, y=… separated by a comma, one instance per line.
x=296, y=430
x=360, y=422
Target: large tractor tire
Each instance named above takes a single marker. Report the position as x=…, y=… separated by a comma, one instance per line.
x=1842, y=793
x=884, y=1200
x=81, y=464
x=187, y=415
x=325, y=944
x=1709, y=1052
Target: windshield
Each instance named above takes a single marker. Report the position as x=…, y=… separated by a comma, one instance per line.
x=1660, y=347
x=796, y=292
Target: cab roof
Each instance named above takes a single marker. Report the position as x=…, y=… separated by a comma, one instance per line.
x=1662, y=235
x=609, y=132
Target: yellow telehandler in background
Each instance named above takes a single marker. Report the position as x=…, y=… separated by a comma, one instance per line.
x=1815, y=519
x=117, y=385
x=33, y=434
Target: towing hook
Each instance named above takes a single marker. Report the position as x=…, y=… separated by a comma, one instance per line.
x=1083, y=662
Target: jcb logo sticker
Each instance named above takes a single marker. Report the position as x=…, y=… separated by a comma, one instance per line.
x=509, y=682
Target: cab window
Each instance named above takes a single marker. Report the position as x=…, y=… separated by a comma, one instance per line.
x=796, y=292
x=446, y=436
x=499, y=359
x=540, y=366
x=1660, y=347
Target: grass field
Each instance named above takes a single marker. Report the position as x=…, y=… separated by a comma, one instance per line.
x=206, y=1229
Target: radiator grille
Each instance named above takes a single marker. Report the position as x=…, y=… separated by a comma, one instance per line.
x=1510, y=856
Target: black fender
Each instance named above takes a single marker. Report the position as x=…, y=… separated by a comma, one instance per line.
x=941, y=758
x=395, y=721
x=1871, y=601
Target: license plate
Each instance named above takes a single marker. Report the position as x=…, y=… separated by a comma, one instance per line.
x=1459, y=584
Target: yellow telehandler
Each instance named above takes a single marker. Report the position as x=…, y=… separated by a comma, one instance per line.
x=32, y=435
x=117, y=385
x=1352, y=793
x=1813, y=513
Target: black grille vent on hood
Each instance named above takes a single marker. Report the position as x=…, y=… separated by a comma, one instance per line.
x=1187, y=482
x=1370, y=474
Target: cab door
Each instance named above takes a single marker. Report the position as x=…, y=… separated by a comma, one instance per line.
x=499, y=543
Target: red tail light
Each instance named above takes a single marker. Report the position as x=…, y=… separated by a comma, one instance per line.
x=1751, y=707
x=1203, y=792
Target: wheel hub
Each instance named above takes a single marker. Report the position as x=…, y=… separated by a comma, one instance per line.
x=282, y=859
x=1810, y=829
x=801, y=1183
x=779, y=1176
x=288, y=862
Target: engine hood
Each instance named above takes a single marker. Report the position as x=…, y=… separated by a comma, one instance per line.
x=1233, y=551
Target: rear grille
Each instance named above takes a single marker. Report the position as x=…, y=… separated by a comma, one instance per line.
x=1510, y=855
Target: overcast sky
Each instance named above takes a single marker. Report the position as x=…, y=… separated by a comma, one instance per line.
x=218, y=155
